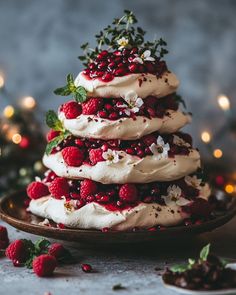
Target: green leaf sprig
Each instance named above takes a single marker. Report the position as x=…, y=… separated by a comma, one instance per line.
x=123, y=27
x=202, y=257
x=54, y=123
x=79, y=92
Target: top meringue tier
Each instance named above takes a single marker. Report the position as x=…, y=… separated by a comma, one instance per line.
x=143, y=84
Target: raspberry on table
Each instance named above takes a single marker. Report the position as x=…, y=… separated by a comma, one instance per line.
x=73, y=156
x=37, y=189
x=18, y=251
x=72, y=109
x=3, y=233
x=128, y=193
x=92, y=106
x=57, y=250
x=44, y=265
x=59, y=188
x=87, y=187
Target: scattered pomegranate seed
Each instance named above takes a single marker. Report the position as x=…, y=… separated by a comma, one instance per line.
x=86, y=267
x=105, y=229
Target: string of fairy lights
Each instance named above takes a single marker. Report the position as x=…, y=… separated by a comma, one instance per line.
x=29, y=103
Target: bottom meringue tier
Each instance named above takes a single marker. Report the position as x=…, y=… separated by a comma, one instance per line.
x=155, y=204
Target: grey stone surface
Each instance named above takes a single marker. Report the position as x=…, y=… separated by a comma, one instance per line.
x=132, y=266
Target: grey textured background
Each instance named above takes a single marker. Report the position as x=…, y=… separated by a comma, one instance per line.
x=40, y=40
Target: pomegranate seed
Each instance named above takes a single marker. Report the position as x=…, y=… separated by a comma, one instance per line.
x=16, y=263
x=103, y=199
x=130, y=151
x=151, y=112
x=102, y=114
x=86, y=72
x=104, y=147
x=98, y=74
x=120, y=65
x=133, y=68
x=102, y=55
x=117, y=53
x=79, y=142
x=126, y=52
x=112, y=65
x=92, y=66
x=152, y=229
x=142, y=68
x=114, y=143
x=105, y=229
x=113, y=116
x=134, y=50
x=102, y=65
x=147, y=151
x=75, y=195
x=80, y=203
x=140, y=152
x=86, y=267
x=120, y=72
x=107, y=77
x=90, y=199
x=61, y=225
x=108, y=107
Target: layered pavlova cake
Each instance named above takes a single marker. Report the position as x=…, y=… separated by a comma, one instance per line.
x=116, y=157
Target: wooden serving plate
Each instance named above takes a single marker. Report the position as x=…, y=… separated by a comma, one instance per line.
x=12, y=211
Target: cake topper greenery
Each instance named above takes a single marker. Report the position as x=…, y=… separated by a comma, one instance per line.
x=123, y=33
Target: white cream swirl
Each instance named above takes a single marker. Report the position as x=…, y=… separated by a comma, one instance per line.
x=96, y=216
x=129, y=169
x=124, y=128
x=142, y=84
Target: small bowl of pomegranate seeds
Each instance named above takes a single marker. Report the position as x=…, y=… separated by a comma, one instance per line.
x=208, y=274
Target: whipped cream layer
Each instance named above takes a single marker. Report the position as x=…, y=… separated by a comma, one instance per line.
x=129, y=169
x=96, y=216
x=124, y=128
x=143, y=84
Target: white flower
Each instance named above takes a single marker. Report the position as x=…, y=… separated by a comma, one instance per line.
x=146, y=56
x=174, y=196
x=70, y=206
x=133, y=103
x=160, y=149
x=111, y=156
x=179, y=141
x=122, y=42
x=193, y=181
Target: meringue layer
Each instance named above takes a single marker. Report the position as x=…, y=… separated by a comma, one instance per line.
x=96, y=216
x=142, y=84
x=129, y=169
x=91, y=126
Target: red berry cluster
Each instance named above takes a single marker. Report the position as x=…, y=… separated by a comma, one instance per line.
x=42, y=259
x=78, y=151
x=108, y=65
x=119, y=195
x=109, y=108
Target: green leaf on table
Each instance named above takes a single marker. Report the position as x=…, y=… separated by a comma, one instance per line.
x=53, y=122
x=42, y=245
x=205, y=252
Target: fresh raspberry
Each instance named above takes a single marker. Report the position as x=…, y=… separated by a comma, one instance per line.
x=72, y=109
x=36, y=190
x=17, y=251
x=128, y=193
x=44, y=265
x=87, y=187
x=52, y=134
x=3, y=233
x=59, y=187
x=57, y=250
x=95, y=155
x=73, y=156
x=92, y=106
